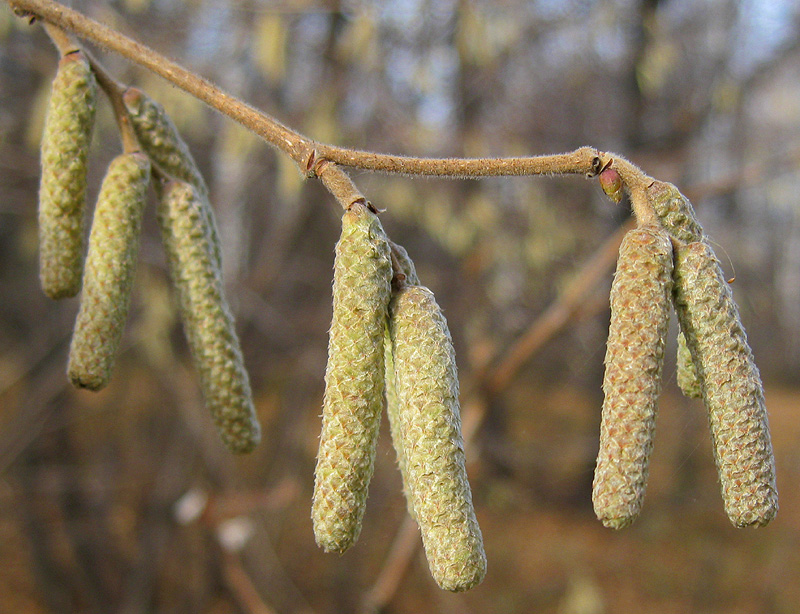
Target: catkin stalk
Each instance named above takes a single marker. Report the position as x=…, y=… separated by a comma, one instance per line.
x=62, y=191
x=354, y=380
x=731, y=386
x=184, y=219
x=427, y=390
x=110, y=269
x=640, y=306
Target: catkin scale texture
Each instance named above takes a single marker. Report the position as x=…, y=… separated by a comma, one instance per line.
x=62, y=192
x=160, y=139
x=731, y=386
x=110, y=269
x=429, y=414
x=675, y=212
x=640, y=306
x=688, y=380
x=207, y=319
x=354, y=380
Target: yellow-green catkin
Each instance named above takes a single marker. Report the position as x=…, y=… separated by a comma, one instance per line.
x=640, y=305
x=160, y=139
x=62, y=191
x=354, y=380
x=675, y=212
x=207, y=319
x=678, y=218
x=688, y=380
x=405, y=273
x=731, y=386
x=430, y=420
x=110, y=269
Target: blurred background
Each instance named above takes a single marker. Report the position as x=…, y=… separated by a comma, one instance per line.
x=125, y=501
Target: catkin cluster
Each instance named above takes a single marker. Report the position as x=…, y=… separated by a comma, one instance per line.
x=188, y=230
x=389, y=339
x=672, y=263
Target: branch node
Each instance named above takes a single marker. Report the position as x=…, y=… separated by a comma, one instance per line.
x=597, y=166
x=310, y=170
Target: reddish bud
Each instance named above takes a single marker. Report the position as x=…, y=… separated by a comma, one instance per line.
x=611, y=182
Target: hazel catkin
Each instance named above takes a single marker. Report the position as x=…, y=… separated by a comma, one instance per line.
x=730, y=384
x=160, y=139
x=183, y=217
x=62, y=192
x=429, y=415
x=640, y=307
x=405, y=273
x=675, y=211
x=110, y=269
x=354, y=380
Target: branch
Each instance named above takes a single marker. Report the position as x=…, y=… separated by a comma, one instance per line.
x=304, y=151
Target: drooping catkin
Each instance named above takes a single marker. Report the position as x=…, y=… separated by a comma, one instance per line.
x=207, y=319
x=731, y=386
x=427, y=390
x=640, y=307
x=110, y=269
x=354, y=379
x=688, y=380
x=62, y=192
x=160, y=139
x=405, y=273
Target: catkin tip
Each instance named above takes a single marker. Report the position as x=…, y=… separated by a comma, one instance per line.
x=132, y=99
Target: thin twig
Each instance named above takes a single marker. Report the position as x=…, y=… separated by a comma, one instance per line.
x=404, y=545
x=339, y=184
x=584, y=161
x=65, y=43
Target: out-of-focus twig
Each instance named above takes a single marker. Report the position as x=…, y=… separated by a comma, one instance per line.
x=405, y=544
x=242, y=587
x=556, y=316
